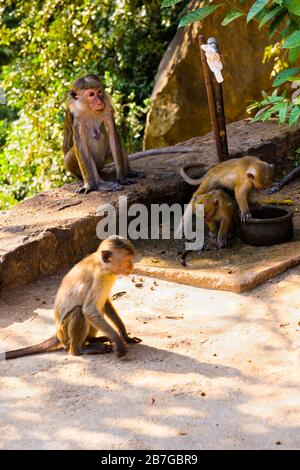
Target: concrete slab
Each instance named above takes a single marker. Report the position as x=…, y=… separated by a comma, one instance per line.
x=56, y=228
x=215, y=370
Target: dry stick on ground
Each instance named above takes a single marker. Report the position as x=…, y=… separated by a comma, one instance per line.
x=287, y=179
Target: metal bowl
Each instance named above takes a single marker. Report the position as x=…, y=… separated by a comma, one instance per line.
x=269, y=225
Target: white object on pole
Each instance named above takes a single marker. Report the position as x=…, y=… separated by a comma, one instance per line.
x=214, y=61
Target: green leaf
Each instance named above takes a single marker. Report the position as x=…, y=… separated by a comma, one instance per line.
x=292, y=41
x=282, y=108
x=296, y=100
x=169, y=3
x=253, y=106
x=295, y=115
x=262, y=115
x=276, y=22
x=289, y=29
x=256, y=8
x=231, y=16
x=293, y=6
x=273, y=99
x=294, y=54
x=198, y=14
x=285, y=75
x=273, y=11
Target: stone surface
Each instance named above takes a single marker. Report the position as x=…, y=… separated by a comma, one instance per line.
x=179, y=107
x=215, y=370
x=55, y=229
x=238, y=268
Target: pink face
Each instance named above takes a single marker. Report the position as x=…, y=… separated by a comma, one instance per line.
x=94, y=98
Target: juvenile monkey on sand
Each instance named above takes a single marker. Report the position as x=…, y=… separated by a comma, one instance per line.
x=82, y=302
x=240, y=175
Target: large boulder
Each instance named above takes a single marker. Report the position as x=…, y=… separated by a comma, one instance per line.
x=179, y=108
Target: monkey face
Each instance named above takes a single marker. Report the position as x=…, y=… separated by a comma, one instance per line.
x=118, y=261
x=93, y=98
x=263, y=176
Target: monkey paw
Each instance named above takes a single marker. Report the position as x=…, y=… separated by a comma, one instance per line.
x=136, y=173
x=96, y=348
x=245, y=217
x=108, y=186
x=84, y=190
x=212, y=237
x=120, y=350
x=126, y=181
x=221, y=243
x=132, y=340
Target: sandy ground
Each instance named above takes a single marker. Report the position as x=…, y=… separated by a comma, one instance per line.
x=216, y=370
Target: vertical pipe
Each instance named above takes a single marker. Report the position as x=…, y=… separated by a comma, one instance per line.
x=219, y=102
x=211, y=99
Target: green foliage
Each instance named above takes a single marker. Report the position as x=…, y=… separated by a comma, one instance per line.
x=282, y=17
x=231, y=16
x=198, y=14
x=257, y=7
x=169, y=3
x=286, y=75
x=44, y=46
x=297, y=157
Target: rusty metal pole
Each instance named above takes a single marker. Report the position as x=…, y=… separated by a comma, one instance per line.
x=219, y=103
x=211, y=99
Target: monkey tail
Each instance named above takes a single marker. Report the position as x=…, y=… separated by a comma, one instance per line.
x=161, y=151
x=188, y=179
x=52, y=343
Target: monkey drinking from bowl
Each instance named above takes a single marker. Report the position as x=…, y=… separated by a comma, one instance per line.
x=239, y=175
x=219, y=211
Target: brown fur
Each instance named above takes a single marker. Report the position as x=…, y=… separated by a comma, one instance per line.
x=83, y=300
x=218, y=214
x=240, y=175
x=91, y=137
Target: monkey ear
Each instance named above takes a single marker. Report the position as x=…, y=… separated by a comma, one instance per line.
x=73, y=94
x=106, y=256
x=251, y=176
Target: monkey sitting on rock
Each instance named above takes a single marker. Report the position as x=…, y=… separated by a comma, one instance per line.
x=239, y=175
x=91, y=139
x=82, y=302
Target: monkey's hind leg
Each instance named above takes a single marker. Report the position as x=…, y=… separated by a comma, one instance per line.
x=96, y=344
x=77, y=331
x=213, y=232
x=71, y=164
